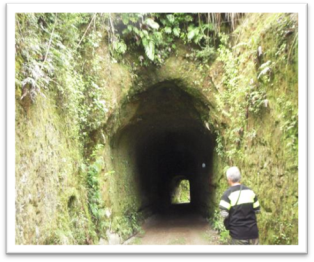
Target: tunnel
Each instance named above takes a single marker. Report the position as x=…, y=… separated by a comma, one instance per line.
x=163, y=139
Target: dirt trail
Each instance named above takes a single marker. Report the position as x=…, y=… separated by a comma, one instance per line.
x=181, y=226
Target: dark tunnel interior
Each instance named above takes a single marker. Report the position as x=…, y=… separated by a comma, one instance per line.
x=166, y=141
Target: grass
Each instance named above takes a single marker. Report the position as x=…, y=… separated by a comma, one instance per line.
x=211, y=237
x=136, y=241
x=177, y=241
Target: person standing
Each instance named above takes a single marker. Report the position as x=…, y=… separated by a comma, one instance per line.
x=239, y=206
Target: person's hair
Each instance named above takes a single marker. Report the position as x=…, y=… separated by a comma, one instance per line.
x=233, y=173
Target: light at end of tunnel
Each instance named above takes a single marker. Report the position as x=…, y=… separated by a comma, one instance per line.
x=203, y=165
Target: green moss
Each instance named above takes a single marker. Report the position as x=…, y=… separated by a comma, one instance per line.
x=266, y=149
x=252, y=111
x=46, y=167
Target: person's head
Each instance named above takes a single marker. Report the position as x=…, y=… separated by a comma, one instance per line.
x=233, y=175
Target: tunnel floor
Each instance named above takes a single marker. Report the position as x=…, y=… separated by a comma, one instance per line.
x=181, y=225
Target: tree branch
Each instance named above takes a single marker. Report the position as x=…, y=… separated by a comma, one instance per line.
x=87, y=29
x=50, y=41
x=19, y=26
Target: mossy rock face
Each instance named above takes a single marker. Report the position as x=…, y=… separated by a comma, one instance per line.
x=266, y=154
x=241, y=109
x=46, y=170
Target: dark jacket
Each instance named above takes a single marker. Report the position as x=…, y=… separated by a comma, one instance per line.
x=242, y=209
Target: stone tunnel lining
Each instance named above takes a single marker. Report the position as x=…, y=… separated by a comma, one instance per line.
x=165, y=137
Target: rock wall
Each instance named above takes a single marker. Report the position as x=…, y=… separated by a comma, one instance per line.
x=80, y=185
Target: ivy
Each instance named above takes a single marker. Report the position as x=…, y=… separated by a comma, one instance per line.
x=96, y=205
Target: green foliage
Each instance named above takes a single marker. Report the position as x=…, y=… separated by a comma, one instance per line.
x=182, y=192
x=198, y=33
x=258, y=119
x=75, y=226
x=217, y=221
x=206, y=54
x=157, y=34
x=135, y=241
x=35, y=74
x=233, y=100
x=255, y=119
x=49, y=50
x=281, y=230
x=151, y=23
x=146, y=34
x=93, y=184
x=219, y=145
x=95, y=202
x=127, y=225
x=265, y=70
x=118, y=48
x=283, y=237
x=217, y=224
x=256, y=100
x=290, y=125
x=149, y=46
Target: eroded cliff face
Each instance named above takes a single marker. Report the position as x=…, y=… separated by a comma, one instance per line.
x=184, y=119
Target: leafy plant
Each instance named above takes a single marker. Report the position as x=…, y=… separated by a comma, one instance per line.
x=206, y=53
x=256, y=100
x=119, y=47
x=199, y=33
x=127, y=225
x=217, y=224
x=49, y=50
x=265, y=69
x=95, y=203
x=157, y=33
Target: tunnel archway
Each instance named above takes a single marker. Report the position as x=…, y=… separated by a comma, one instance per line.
x=162, y=136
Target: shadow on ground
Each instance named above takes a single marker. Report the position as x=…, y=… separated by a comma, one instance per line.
x=180, y=224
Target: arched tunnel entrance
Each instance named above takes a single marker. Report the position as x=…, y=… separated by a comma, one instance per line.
x=162, y=137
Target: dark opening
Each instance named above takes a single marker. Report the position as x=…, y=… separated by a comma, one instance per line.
x=167, y=138
x=73, y=210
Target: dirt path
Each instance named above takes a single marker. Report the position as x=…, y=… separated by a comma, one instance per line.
x=176, y=228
